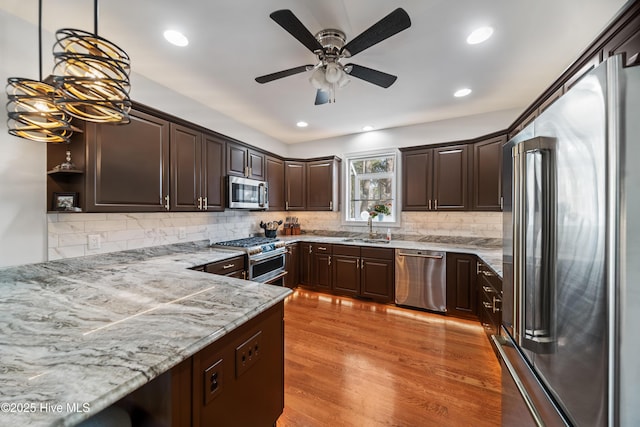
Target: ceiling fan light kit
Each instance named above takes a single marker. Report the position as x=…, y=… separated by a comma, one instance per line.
x=330, y=47
x=91, y=76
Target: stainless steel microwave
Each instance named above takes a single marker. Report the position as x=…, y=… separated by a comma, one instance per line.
x=244, y=193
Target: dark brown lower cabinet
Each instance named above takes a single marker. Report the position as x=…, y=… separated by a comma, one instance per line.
x=461, y=285
x=489, y=299
x=237, y=380
x=321, y=267
x=363, y=272
x=292, y=262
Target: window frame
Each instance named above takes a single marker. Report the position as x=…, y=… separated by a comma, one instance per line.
x=396, y=191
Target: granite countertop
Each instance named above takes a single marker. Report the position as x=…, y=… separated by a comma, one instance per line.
x=489, y=254
x=89, y=331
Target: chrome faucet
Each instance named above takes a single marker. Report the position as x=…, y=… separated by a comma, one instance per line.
x=372, y=235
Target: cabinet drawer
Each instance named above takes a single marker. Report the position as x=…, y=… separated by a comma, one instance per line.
x=488, y=277
x=346, y=250
x=226, y=266
x=379, y=253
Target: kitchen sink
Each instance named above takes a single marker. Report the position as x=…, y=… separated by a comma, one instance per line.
x=366, y=240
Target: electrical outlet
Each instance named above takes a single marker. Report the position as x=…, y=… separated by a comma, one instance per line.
x=248, y=353
x=212, y=381
x=94, y=241
x=182, y=233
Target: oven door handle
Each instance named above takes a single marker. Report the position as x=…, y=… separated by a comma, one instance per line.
x=272, y=254
x=279, y=276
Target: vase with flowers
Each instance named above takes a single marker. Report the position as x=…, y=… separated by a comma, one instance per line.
x=380, y=210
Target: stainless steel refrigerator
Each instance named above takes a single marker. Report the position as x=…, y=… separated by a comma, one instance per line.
x=570, y=339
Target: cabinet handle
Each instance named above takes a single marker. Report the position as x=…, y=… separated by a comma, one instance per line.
x=329, y=260
x=246, y=171
x=228, y=266
x=331, y=205
x=286, y=206
x=494, y=308
x=166, y=199
x=244, y=274
x=435, y=205
x=205, y=204
x=487, y=289
x=200, y=203
x=501, y=203
x=486, y=304
x=310, y=249
x=361, y=264
x=320, y=248
x=429, y=204
x=357, y=263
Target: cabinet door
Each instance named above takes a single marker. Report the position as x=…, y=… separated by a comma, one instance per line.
x=236, y=159
x=320, y=177
x=213, y=172
x=461, y=285
x=322, y=267
x=377, y=279
x=416, y=180
x=185, y=168
x=346, y=274
x=450, y=165
x=306, y=265
x=275, y=180
x=292, y=278
x=256, y=164
x=295, y=185
x=487, y=175
x=128, y=166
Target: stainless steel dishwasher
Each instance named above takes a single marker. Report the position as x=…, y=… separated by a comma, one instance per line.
x=421, y=280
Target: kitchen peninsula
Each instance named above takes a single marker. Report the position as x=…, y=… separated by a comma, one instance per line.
x=79, y=335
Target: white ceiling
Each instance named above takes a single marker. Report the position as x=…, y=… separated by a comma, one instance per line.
x=234, y=41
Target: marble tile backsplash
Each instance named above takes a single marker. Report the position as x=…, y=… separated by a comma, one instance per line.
x=68, y=232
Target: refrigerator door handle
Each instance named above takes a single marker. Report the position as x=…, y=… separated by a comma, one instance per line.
x=534, y=237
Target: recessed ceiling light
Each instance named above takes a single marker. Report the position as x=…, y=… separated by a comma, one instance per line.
x=367, y=128
x=176, y=38
x=302, y=124
x=479, y=35
x=462, y=92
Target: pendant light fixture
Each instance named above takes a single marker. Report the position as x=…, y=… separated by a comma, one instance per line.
x=31, y=110
x=91, y=76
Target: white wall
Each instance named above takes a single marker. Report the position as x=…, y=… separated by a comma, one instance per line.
x=423, y=134
x=23, y=225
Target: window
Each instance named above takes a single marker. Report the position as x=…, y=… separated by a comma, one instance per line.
x=371, y=188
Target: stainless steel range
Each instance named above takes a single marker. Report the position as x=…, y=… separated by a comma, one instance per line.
x=266, y=258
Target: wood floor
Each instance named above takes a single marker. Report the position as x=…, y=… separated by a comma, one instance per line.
x=355, y=363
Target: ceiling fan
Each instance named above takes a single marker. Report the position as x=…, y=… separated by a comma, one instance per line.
x=330, y=47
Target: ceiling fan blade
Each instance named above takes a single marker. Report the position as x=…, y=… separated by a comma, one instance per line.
x=370, y=75
x=322, y=97
x=284, y=73
x=287, y=20
x=393, y=23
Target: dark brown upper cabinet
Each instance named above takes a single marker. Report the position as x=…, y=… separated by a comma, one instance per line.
x=196, y=170
x=323, y=185
x=245, y=162
x=275, y=181
x=295, y=181
x=128, y=166
x=435, y=179
x=417, y=180
x=486, y=194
